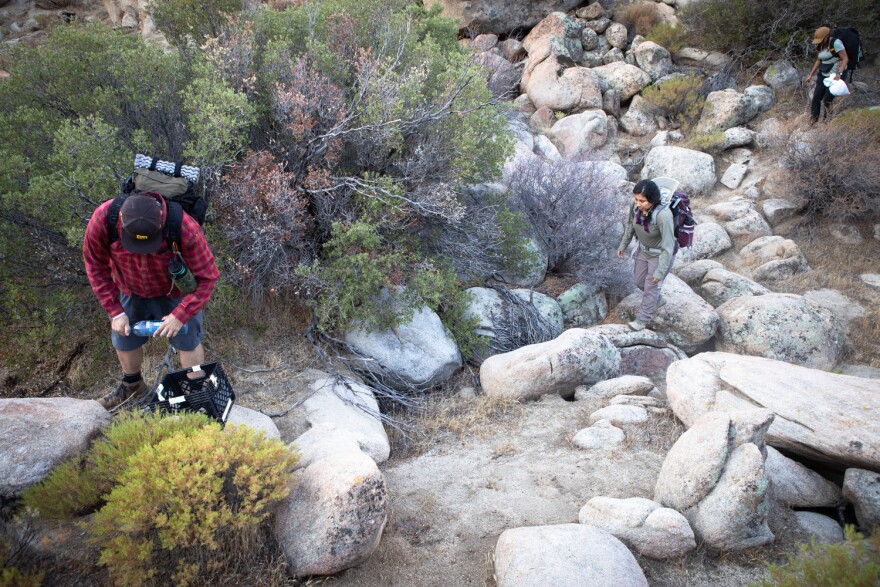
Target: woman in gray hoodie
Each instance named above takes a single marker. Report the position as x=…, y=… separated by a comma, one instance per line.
x=651, y=223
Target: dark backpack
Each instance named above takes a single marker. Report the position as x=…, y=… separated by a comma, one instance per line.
x=179, y=194
x=683, y=223
x=851, y=42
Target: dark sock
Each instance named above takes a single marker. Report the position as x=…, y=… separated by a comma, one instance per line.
x=131, y=378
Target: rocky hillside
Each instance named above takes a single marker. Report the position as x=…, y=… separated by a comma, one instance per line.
x=743, y=421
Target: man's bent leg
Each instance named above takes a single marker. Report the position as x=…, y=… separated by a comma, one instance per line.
x=131, y=361
x=193, y=357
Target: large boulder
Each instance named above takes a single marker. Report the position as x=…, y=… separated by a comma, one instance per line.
x=819, y=415
x=687, y=320
x=497, y=318
x=498, y=16
x=241, y=416
x=721, y=285
x=710, y=240
x=794, y=485
x=345, y=404
x=643, y=353
x=502, y=76
x=773, y=258
x=580, y=134
x=644, y=525
x=627, y=80
x=639, y=118
x=566, y=555
x=781, y=76
x=571, y=89
x=576, y=357
x=583, y=305
x=420, y=352
x=741, y=219
x=337, y=509
x=862, y=489
x=556, y=25
x=653, y=59
x=714, y=475
x=725, y=109
x=785, y=327
x=694, y=170
x=39, y=433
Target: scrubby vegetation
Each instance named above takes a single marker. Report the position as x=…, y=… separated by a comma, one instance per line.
x=833, y=169
x=574, y=210
x=680, y=98
x=173, y=500
x=755, y=29
x=854, y=563
x=336, y=141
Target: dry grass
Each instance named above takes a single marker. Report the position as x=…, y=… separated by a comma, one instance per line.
x=457, y=417
x=639, y=18
x=837, y=265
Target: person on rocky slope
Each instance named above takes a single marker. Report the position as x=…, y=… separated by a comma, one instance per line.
x=130, y=278
x=652, y=224
x=831, y=63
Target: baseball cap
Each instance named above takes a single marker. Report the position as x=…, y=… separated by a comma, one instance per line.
x=821, y=33
x=142, y=221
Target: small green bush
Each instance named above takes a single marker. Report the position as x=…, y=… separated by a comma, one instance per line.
x=680, y=98
x=177, y=500
x=855, y=562
x=709, y=143
x=671, y=37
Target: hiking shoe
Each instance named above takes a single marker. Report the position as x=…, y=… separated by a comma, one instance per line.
x=661, y=302
x=122, y=394
x=637, y=325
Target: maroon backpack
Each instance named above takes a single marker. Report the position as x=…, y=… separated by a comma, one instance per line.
x=682, y=220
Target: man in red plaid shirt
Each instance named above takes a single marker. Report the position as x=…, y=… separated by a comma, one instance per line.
x=131, y=280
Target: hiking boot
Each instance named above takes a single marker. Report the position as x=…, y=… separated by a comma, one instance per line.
x=637, y=325
x=661, y=302
x=122, y=394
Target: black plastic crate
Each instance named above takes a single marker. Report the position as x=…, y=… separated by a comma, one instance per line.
x=211, y=394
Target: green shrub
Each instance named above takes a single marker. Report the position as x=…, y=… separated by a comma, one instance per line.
x=852, y=563
x=176, y=499
x=709, y=143
x=182, y=20
x=680, y=98
x=672, y=37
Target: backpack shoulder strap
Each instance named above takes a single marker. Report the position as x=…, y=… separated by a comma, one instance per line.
x=174, y=222
x=113, y=217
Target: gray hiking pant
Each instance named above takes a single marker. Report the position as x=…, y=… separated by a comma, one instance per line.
x=643, y=270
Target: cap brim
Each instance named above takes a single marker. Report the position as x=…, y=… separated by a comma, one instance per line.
x=133, y=245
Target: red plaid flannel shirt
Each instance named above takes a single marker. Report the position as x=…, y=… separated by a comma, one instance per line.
x=111, y=269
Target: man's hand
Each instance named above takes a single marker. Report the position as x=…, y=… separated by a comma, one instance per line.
x=655, y=281
x=120, y=326
x=620, y=254
x=170, y=326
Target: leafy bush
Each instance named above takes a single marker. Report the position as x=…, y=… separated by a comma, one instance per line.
x=680, y=98
x=72, y=114
x=672, y=37
x=757, y=29
x=854, y=563
x=179, y=500
x=196, y=20
x=833, y=169
x=574, y=209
